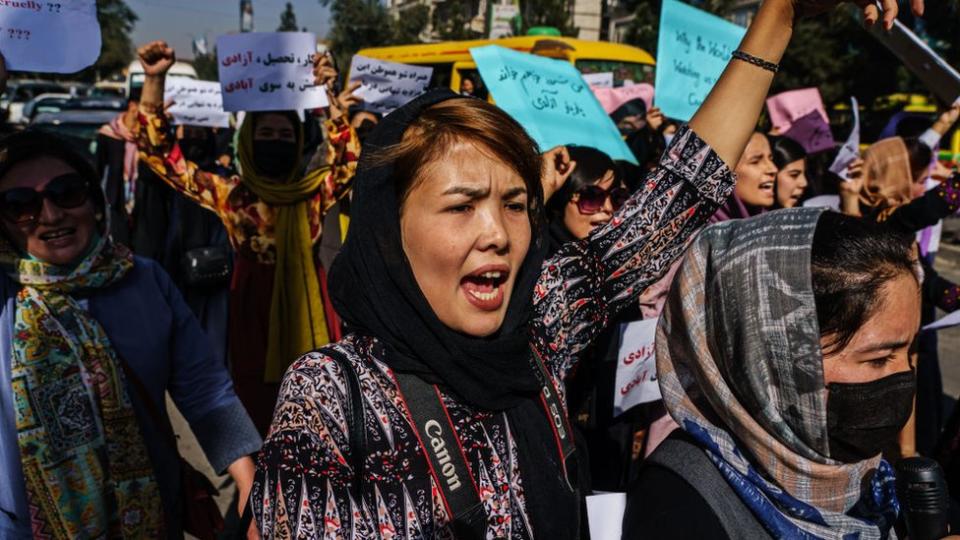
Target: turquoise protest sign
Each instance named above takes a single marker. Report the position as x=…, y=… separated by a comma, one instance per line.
x=692, y=50
x=549, y=99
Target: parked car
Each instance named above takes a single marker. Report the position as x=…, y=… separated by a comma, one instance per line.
x=43, y=103
x=79, y=127
x=109, y=89
x=60, y=102
x=20, y=92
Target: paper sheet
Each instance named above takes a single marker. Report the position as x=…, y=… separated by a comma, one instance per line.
x=50, y=37
x=268, y=71
x=605, y=515
x=850, y=150
x=387, y=86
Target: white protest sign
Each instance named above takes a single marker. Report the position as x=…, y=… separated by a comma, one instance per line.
x=605, y=515
x=501, y=20
x=386, y=86
x=268, y=71
x=52, y=37
x=636, y=380
x=950, y=320
x=195, y=103
x=823, y=201
x=850, y=150
x=599, y=80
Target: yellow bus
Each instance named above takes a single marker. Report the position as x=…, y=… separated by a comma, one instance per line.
x=451, y=60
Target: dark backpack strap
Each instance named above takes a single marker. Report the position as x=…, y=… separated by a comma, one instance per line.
x=445, y=456
x=684, y=458
x=355, y=421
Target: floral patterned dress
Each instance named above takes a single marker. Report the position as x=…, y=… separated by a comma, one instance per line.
x=304, y=482
x=250, y=225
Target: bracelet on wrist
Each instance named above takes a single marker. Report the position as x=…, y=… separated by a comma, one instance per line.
x=759, y=62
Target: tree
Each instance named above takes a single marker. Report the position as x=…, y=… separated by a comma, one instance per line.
x=116, y=23
x=206, y=66
x=555, y=13
x=288, y=20
x=358, y=24
x=408, y=27
x=941, y=24
x=451, y=20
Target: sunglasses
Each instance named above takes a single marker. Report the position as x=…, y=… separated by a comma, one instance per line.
x=23, y=205
x=590, y=199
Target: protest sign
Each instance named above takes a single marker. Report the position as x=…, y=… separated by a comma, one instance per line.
x=268, y=71
x=850, y=150
x=195, y=103
x=636, y=380
x=605, y=515
x=692, y=51
x=599, y=80
x=823, y=201
x=51, y=37
x=812, y=132
x=549, y=99
x=948, y=321
x=386, y=86
x=786, y=108
x=612, y=98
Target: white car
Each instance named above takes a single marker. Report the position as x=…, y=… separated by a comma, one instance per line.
x=20, y=92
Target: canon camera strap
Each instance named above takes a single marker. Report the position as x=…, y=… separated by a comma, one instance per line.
x=448, y=462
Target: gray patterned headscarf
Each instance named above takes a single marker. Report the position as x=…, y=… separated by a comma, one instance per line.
x=740, y=367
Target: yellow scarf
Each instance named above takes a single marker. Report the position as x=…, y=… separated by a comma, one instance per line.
x=297, y=322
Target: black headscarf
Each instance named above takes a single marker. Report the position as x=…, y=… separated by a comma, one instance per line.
x=374, y=290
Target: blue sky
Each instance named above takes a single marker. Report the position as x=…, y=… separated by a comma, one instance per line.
x=179, y=21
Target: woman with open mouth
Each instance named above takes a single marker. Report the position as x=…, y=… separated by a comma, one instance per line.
x=441, y=412
x=756, y=177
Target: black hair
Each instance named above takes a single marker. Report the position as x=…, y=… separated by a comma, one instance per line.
x=912, y=125
x=292, y=116
x=851, y=259
x=647, y=145
x=786, y=151
x=33, y=143
x=592, y=164
x=920, y=156
x=634, y=107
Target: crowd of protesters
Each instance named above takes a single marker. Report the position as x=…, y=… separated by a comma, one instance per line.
x=423, y=343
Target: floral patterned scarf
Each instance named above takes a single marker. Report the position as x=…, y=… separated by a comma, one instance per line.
x=87, y=471
x=740, y=367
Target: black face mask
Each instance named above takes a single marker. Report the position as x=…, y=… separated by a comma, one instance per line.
x=863, y=418
x=364, y=129
x=275, y=159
